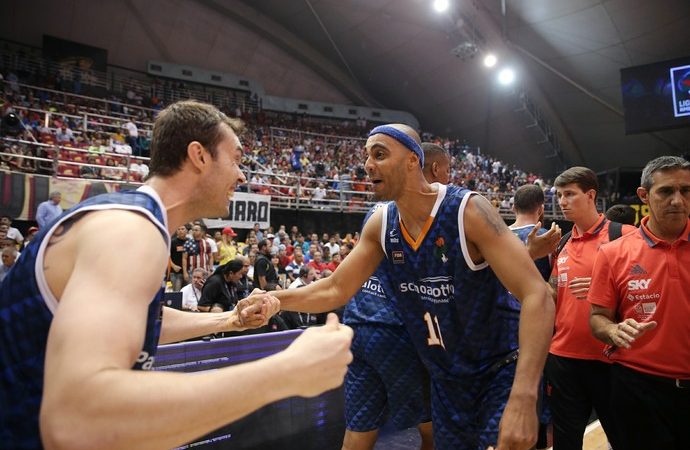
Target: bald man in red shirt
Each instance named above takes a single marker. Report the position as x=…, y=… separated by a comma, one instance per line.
x=640, y=308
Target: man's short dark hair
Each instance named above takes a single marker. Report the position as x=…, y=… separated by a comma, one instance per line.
x=262, y=244
x=180, y=124
x=432, y=152
x=528, y=198
x=585, y=178
x=624, y=214
x=661, y=163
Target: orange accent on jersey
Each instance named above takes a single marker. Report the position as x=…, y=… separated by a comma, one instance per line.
x=422, y=234
x=644, y=278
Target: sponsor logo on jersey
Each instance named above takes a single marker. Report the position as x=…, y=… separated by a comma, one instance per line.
x=639, y=297
x=432, y=289
x=637, y=270
x=373, y=287
x=639, y=285
x=562, y=260
x=398, y=257
x=393, y=236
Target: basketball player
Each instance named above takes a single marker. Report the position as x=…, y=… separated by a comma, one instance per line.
x=81, y=313
x=444, y=250
x=386, y=379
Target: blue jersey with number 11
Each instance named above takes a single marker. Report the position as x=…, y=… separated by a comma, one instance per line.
x=460, y=317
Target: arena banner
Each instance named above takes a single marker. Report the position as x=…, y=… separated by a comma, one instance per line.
x=20, y=193
x=245, y=210
x=316, y=423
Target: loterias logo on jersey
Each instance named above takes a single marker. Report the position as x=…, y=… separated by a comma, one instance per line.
x=680, y=80
x=440, y=249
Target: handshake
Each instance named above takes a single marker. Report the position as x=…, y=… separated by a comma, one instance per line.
x=318, y=357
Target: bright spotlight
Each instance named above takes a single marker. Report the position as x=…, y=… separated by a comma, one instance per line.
x=490, y=60
x=440, y=5
x=506, y=76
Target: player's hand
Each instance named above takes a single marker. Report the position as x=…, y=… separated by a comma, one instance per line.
x=319, y=357
x=625, y=333
x=519, y=424
x=579, y=287
x=544, y=244
x=254, y=311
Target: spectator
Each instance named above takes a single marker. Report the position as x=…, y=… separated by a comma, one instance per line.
x=335, y=262
x=177, y=251
x=227, y=248
x=9, y=256
x=640, y=310
x=12, y=233
x=332, y=246
x=197, y=253
x=624, y=214
x=221, y=290
x=132, y=136
x=191, y=294
x=263, y=269
x=317, y=263
x=64, y=135
x=49, y=210
x=30, y=236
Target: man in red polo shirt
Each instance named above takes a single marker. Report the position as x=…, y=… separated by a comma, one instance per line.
x=576, y=368
x=640, y=299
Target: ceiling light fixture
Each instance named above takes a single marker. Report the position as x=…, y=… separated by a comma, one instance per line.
x=490, y=60
x=506, y=76
x=441, y=5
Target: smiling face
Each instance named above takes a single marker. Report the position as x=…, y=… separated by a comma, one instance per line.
x=223, y=175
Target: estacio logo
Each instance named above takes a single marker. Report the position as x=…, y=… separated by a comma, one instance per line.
x=640, y=297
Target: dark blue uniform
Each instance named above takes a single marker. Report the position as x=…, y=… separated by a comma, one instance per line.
x=460, y=318
x=386, y=378
x=26, y=312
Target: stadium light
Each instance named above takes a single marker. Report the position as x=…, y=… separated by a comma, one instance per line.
x=490, y=60
x=441, y=5
x=506, y=76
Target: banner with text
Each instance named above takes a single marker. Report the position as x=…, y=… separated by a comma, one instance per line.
x=245, y=211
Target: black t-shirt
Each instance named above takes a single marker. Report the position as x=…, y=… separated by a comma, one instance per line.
x=264, y=268
x=176, y=250
x=217, y=291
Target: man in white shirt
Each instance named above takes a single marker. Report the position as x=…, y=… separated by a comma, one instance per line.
x=12, y=233
x=192, y=292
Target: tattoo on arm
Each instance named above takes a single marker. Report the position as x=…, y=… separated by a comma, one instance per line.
x=490, y=216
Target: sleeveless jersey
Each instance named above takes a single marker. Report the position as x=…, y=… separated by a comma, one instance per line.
x=26, y=312
x=543, y=264
x=460, y=318
x=371, y=303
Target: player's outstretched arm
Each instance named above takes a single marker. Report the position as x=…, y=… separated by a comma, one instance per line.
x=92, y=398
x=251, y=312
x=492, y=241
x=335, y=291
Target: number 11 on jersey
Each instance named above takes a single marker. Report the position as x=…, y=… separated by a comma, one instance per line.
x=435, y=337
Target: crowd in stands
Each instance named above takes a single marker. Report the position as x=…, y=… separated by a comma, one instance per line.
x=314, y=161
x=213, y=271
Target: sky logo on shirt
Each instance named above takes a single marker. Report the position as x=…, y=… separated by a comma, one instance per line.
x=639, y=285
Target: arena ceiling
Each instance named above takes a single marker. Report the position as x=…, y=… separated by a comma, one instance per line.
x=569, y=53
x=401, y=54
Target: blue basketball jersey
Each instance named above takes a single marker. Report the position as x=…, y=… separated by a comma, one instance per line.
x=543, y=264
x=457, y=312
x=26, y=311
x=371, y=304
